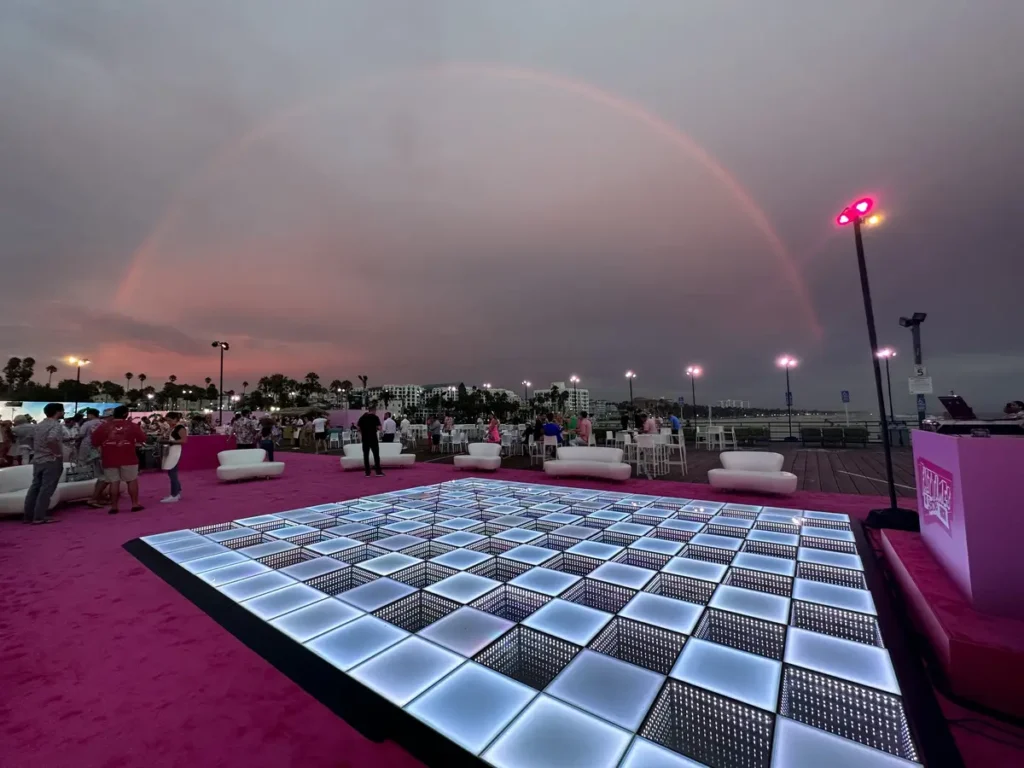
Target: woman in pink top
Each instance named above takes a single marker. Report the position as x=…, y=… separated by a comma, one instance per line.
x=493, y=435
x=650, y=426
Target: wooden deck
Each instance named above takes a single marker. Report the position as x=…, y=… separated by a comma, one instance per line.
x=858, y=471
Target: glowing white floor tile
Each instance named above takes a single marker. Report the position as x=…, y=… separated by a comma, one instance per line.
x=459, y=539
x=398, y=542
x=578, y=624
x=467, y=631
x=828, y=557
x=256, y=585
x=688, y=526
x=732, y=522
x=774, y=537
x=406, y=669
x=306, y=623
x=376, y=594
x=630, y=529
x=845, y=659
x=549, y=507
x=404, y=526
x=730, y=672
x=527, y=553
x=646, y=754
x=160, y=540
x=512, y=521
x=461, y=559
x=629, y=576
x=266, y=549
x=252, y=522
x=777, y=515
x=310, y=569
x=661, y=546
x=519, y=535
x=654, y=513
x=780, y=565
x=460, y=524
x=559, y=518
x=550, y=734
x=578, y=532
x=281, y=601
x=761, y=605
x=704, y=507
x=350, y=530
x=356, y=641
x=472, y=705
x=834, y=516
x=503, y=509
x=801, y=746
x=614, y=690
x=826, y=533
x=677, y=615
x=695, y=569
x=714, y=540
x=607, y=515
x=545, y=580
x=292, y=532
x=223, y=537
x=214, y=561
x=594, y=549
x=463, y=587
x=220, y=576
x=390, y=563
x=329, y=547
x=834, y=595
x=750, y=508
x=203, y=549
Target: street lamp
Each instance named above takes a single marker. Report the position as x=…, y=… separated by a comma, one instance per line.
x=893, y=517
x=693, y=372
x=78, y=362
x=885, y=354
x=914, y=324
x=224, y=347
x=630, y=375
x=526, y=390
x=787, y=362
x=575, y=392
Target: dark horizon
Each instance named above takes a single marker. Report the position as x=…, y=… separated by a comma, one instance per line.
x=481, y=191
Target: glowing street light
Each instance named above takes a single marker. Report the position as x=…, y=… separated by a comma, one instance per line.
x=526, y=390
x=886, y=353
x=78, y=362
x=630, y=375
x=575, y=392
x=855, y=214
x=694, y=371
x=787, y=362
x=224, y=347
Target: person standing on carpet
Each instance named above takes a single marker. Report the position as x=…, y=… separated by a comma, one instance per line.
x=267, y=438
x=176, y=438
x=116, y=440
x=389, y=428
x=47, y=464
x=369, y=425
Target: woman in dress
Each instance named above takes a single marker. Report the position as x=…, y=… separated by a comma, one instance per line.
x=493, y=434
x=177, y=436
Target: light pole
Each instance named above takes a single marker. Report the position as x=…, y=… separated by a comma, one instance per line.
x=885, y=354
x=787, y=362
x=893, y=517
x=630, y=375
x=78, y=362
x=693, y=372
x=224, y=347
x=575, y=392
x=526, y=391
x=914, y=324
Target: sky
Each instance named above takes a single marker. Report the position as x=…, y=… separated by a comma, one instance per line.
x=480, y=190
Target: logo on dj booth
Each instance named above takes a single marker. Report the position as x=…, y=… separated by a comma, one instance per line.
x=936, y=486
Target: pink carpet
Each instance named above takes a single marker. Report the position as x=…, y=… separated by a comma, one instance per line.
x=103, y=664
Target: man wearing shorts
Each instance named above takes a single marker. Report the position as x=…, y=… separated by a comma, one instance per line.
x=116, y=440
x=89, y=455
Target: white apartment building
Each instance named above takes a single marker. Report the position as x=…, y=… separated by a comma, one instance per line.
x=579, y=398
x=513, y=397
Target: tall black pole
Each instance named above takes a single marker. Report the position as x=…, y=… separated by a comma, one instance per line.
x=693, y=391
x=220, y=392
x=789, y=404
x=888, y=381
x=78, y=383
x=869, y=314
x=575, y=397
x=630, y=391
x=915, y=332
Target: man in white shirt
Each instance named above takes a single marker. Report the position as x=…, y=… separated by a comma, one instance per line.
x=388, y=429
x=319, y=433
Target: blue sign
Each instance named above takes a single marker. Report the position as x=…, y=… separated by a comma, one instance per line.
x=845, y=394
x=920, y=403
x=789, y=399
x=682, y=400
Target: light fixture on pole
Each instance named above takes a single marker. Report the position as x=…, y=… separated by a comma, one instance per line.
x=526, y=391
x=630, y=375
x=893, y=517
x=886, y=353
x=78, y=362
x=693, y=372
x=224, y=347
x=914, y=324
x=787, y=362
x=575, y=392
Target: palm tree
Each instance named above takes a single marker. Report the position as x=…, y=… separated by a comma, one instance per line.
x=142, y=381
x=245, y=386
x=208, y=381
x=128, y=380
x=50, y=370
x=386, y=397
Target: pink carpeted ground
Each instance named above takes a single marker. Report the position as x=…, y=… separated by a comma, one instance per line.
x=103, y=664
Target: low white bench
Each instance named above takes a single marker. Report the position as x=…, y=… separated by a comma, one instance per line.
x=246, y=464
x=752, y=471
x=390, y=456
x=604, y=463
x=484, y=456
x=15, y=482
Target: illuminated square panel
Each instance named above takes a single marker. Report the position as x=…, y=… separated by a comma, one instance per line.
x=567, y=627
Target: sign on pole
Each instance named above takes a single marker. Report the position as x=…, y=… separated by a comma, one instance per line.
x=920, y=371
x=845, y=394
x=920, y=385
x=682, y=401
x=920, y=404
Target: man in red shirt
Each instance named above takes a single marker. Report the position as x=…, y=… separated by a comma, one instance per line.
x=116, y=440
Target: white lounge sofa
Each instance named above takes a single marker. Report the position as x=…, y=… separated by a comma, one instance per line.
x=485, y=456
x=752, y=471
x=390, y=456
x=604, y=463
x=247, y=464
x=15, y=482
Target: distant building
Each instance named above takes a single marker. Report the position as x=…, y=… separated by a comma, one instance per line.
x=512, y=396
x=604, y=409
x=579, y=398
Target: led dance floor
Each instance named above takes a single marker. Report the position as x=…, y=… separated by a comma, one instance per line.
x=531, y=626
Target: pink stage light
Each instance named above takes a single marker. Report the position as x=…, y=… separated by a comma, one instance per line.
x=864, y=205
x=843, y=218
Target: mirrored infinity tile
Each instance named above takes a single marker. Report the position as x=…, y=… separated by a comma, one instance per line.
x=778, y=565
x=828, y=557
x=834, y=595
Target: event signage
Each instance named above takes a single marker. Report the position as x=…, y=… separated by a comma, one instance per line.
x=936, y=486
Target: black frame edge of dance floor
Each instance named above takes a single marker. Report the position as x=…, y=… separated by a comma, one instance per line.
x=379, y=720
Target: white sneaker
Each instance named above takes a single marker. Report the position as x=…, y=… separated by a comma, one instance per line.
x=170, y=499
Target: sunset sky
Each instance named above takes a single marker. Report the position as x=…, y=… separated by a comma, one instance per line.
x=485, y=190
